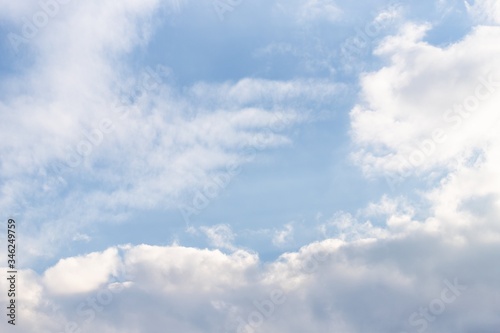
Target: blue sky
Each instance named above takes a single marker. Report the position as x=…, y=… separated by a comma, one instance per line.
x=201, y=157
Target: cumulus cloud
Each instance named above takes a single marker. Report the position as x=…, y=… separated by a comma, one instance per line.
x=71, y=276
x=431, y=106
x=393, y=283
x=432, y=112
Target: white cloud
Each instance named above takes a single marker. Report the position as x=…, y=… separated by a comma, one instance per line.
x=344, y=226
x=82, y=237
x=351, y=285
x=430, y=106
x=391, y=12
x=284, y=236
x=178, y=269
x=433, y=111
x=72, y=275
x=484, y=11
x=220, y=236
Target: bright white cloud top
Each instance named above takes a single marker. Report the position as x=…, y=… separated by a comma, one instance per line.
x=265, y=166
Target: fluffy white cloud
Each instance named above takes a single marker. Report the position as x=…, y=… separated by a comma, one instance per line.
x=430, y=105
x=384, y=284
x=484, y=11
x=433, y=111
x=72, y=276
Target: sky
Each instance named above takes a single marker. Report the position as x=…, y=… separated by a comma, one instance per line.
x=247, y=166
